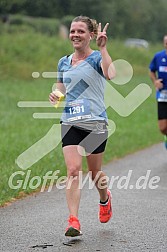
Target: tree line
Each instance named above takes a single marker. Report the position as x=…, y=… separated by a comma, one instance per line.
x=128, y=18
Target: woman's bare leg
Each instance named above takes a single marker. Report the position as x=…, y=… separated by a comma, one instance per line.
x=73, y=162
x=94, y=162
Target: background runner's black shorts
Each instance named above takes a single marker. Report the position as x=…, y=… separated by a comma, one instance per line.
x=91, y=142
x=162, y=110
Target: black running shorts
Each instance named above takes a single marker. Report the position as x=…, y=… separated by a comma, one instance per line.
x=92, y=142
x=162, y=110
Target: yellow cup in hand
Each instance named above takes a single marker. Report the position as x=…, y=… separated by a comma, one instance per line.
x=61, y=97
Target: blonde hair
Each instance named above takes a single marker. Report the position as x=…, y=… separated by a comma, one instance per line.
x=91, y=23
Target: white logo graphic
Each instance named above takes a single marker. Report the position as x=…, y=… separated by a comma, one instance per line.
x=124, y=106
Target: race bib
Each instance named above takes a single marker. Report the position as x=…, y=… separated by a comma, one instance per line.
x=78, y=110
x=162, y=96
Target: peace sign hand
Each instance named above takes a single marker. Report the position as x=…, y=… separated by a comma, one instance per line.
x=101, y=36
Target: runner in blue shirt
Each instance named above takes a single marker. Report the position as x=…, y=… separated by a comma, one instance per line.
x=158, y=75
x=82, y=78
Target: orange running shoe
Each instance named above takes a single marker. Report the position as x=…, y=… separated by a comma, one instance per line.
x=105, y=212
x=73, y=228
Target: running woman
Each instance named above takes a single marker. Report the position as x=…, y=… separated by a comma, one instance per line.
x=82, y=78
x=158, y=75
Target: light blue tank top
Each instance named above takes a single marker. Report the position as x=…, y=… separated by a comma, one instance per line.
x=84, y=85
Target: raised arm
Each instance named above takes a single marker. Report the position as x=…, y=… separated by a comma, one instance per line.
x=107, y=64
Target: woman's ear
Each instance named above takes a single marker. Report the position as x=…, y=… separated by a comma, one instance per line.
x=92, y=36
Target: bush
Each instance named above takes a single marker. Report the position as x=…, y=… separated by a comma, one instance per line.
x=66, y=20
x=49, y=26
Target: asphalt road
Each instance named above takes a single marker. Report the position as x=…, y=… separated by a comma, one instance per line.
x=139, y=223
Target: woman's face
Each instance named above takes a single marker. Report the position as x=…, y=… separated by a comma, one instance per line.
x=79, y=35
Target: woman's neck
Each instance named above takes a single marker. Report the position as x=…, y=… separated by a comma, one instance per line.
x=82, y=54
x=79, y=56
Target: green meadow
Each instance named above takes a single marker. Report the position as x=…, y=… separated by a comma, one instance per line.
x=23, y=52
